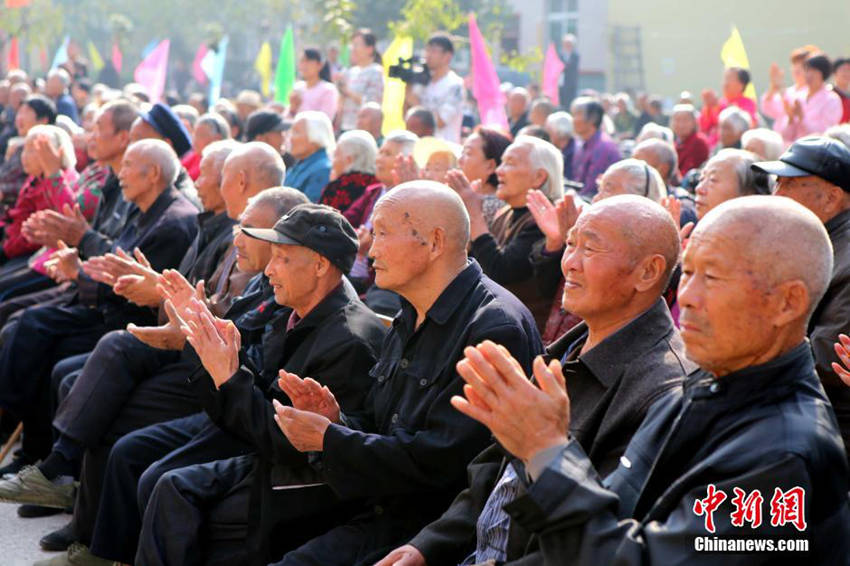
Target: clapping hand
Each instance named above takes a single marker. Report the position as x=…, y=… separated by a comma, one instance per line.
x=554, y=220
x=165, y=337
x=309, y=395
x=405, y=170
x=842, y=350
x=216, y=341
x=64, y=264
x=139, y=287
x=175, y=288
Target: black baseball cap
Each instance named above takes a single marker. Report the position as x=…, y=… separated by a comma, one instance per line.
x=822, y=157
x=264, y=121
x=163, y=119
x=317, y=227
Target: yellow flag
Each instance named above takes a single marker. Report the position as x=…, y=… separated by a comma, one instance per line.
x=733, y=54
x=393, y=103
x=263, y=66
x=94, y=55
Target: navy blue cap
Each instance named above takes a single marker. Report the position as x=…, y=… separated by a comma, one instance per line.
x=819, y=156
x=162, y=119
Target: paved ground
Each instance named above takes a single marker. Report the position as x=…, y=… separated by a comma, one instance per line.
x=19, y=537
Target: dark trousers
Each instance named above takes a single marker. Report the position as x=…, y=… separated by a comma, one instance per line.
x=59, y=295
x=18, y=279
x=136, y=463
x=41, y=337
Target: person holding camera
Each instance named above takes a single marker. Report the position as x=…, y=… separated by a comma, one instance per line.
x=443, y=94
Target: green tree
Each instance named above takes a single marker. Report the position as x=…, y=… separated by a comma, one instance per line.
x=37, y=24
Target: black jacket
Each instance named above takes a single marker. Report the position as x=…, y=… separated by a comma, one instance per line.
x=611, y=388
x=408, y=453
x=214, y=236
x=763, y=427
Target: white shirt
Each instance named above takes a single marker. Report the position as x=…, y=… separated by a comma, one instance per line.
x=445, y=99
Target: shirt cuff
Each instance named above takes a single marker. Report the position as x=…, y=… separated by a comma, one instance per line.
x=541, y=461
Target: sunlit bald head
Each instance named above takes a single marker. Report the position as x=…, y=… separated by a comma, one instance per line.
x=743, y=298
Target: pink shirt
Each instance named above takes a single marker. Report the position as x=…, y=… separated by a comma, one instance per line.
x=820, y=112
x=323, y=96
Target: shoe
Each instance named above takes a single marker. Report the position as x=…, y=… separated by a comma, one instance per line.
x=18, y=463
x=30, y=486
x=58, y=560
x=35, y=511
x=77, y=555
x=60, y=539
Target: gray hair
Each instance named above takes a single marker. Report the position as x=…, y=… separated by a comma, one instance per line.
x=544, y=155
x=561, y=123
x=644, y=181
x=739, y=119
x=361, y=146
x=404, y=138
x=59, y=139
x=186, y=112
x=217, y=123
x=320, y=131
x=651, y=130
x=62, y=74
x=685, y=109
x=840, y=133
x=280, y=199
x=522, y=92
x=773, y=143
x=590, y=108
x=220, y=150
x=162, y=155
x=664, y=151
x=750, y=182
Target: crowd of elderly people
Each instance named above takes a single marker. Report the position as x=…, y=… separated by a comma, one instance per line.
x=252, y=334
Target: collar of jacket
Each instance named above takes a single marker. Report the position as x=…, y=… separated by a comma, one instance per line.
x=766, y=382
x=162, y=202
x=209, y=223
x=838, y=224
x=341, y=296
x=607, y=359
x=318, y=155
x=449, y=300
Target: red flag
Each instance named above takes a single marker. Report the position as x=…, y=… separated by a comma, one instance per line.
x=117, y=57
x=197, y=70
x=485, y=81
x=552, y=69
x=13, y=56
x=151, y=72
x=42, y=58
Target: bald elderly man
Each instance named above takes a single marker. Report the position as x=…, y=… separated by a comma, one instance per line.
x=815, y=171
x=404, y=459
x=752, y=428
x=624, y=356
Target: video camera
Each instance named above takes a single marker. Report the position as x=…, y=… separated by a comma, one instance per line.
x=411, y=71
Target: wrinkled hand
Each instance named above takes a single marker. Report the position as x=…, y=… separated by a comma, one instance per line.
x=406, y=555
x=524, y=418
x=472, y=200
x=304, y=430
x=364, y=240
x=405, y=169
x=47, y=227
x=309, y=395
x=554, y=220
x=165, y=337
x=173, y=287
x=842, y=350
x=49, y=158
x=64, y=264
x=139, y=287
x=216, y=341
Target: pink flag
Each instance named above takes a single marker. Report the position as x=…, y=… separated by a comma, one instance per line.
x=485, y=82
x=117, y=57
x=152, y=71
x=197, y=70
x=552, y=69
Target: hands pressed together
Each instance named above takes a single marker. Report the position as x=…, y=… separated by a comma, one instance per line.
x=554, y=220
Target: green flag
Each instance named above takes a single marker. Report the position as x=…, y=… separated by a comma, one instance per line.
x=284, y=78
x=344, y=55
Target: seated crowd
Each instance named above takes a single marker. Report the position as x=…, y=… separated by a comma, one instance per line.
x=262, y=334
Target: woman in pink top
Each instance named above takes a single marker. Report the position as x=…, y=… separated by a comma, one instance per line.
x=313, y=92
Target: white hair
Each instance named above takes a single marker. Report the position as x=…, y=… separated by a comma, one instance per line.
x=217, y=123
x=773, y=143
x=220, y=150
x=644, y=181
x=739, y=119
x=544, y=155
x=561, y=123
x=405, y=140
x=652, y=130
x=685, y=109
x=62, y=74
x=186, y=112
x=320, y=131
x=522, y=92
x=160, y=154
x=59, y=139
x=361, y=147
x=840, y=133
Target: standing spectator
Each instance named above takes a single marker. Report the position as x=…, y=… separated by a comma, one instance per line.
x=841, y=85
x=691, y=145
x=815, y=109
x=735, y=81
x=569, y=78
x=311, y=142
x=81, y=93
x=597, y=151
x=353, y=169
x=559, y=126
x=313, y=92
x=772, y=101
x=56, y=88
x=363, y=82
x=518, y=103
x=443, y=95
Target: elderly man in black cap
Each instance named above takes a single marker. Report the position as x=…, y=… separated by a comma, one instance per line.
x=325, y=332
x=815, y=171
x=267, y=126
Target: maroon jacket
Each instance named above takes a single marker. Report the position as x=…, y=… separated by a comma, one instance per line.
x=361, y=209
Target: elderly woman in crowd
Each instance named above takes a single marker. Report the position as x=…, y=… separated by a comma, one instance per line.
x=35, y=109
x=503, y=249
x=353, y=169
x=480, y=157
x=205, y=130
x=559, y=126
x=311, y=142
x=732, y=123
x=48, y=160
x=728, y=175
x=691, y=145
x=363, y=82
x=766, y=144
